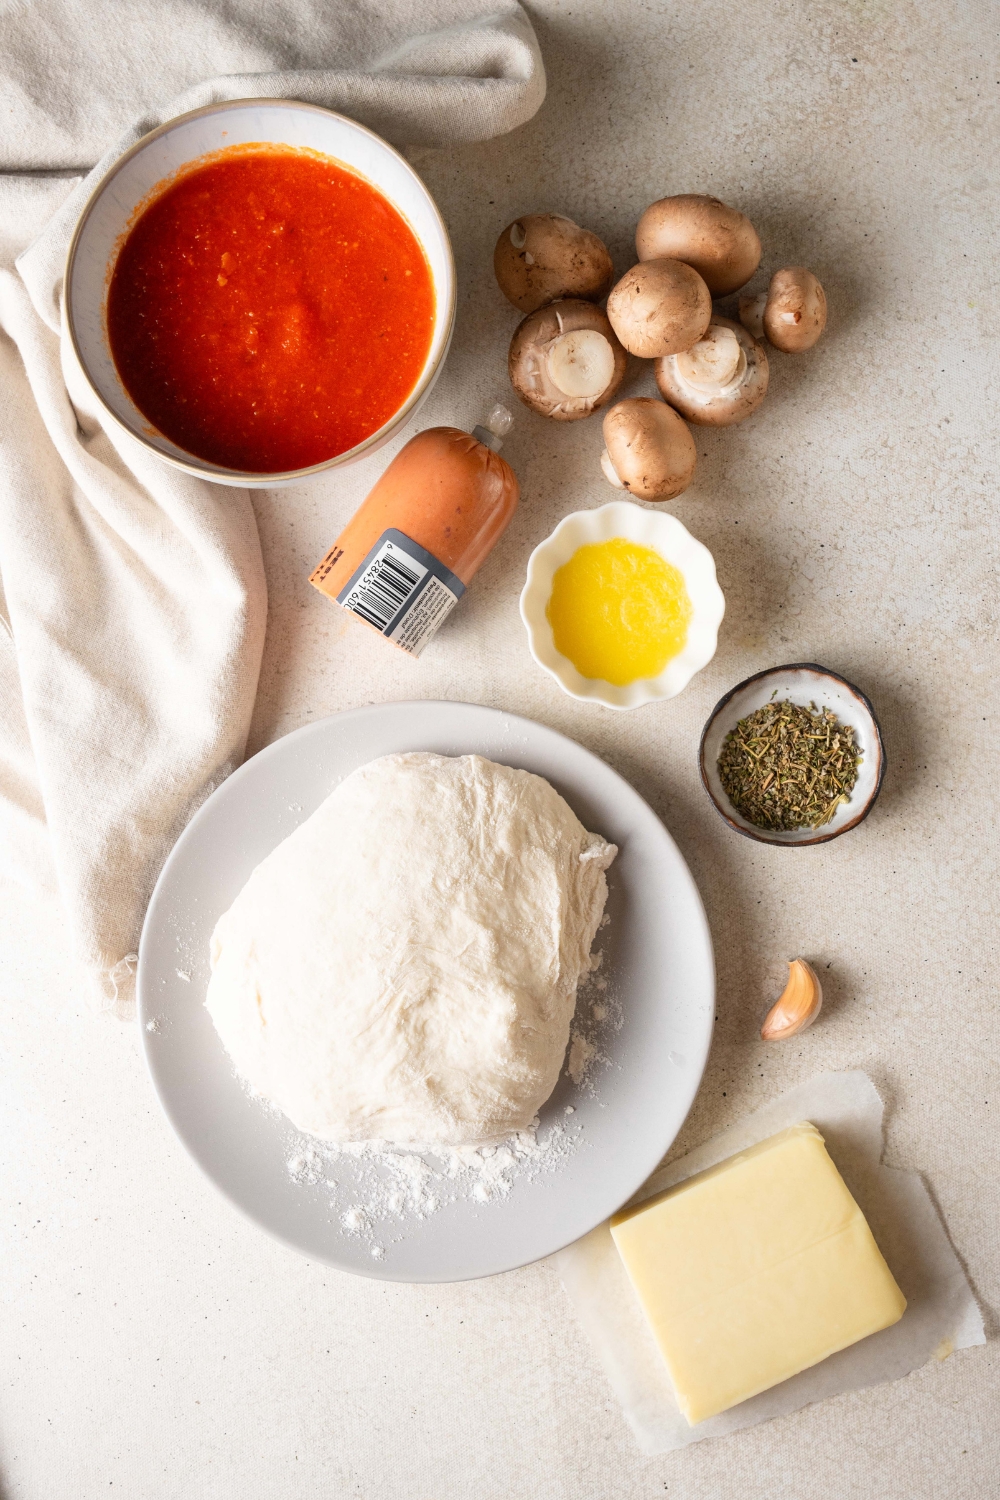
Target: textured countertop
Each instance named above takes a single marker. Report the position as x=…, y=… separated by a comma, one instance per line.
x=156, y=1345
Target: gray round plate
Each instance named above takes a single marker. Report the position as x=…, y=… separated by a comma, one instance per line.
x=626, y=1113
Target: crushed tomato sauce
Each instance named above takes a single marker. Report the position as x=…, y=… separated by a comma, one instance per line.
x=270, y=310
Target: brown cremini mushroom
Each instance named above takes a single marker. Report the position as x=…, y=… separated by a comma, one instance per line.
x=719, y=242
x=565, y=361
x=660, y=307
x=542, y=257
x=719, y=380
x=791, y=314
x=649, y=451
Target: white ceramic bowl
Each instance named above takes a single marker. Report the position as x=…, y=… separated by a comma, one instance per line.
x=176, y=144
x=804, y=683
x=649, y=528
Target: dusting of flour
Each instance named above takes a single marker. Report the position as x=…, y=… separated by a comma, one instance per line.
x=379, y=1192
x=388, y=1189
x=597, y=1013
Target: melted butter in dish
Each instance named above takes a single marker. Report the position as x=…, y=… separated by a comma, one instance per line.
x=619, y=611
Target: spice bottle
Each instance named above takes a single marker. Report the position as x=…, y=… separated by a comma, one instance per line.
x=403, y=561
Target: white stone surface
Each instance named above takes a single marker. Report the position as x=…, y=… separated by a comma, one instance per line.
x=155, y=1345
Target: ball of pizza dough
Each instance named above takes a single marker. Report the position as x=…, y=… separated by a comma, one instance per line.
x=404, y=966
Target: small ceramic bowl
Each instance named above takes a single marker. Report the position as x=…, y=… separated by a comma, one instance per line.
x=177, y=144
x=675, y=543
x=806, y=684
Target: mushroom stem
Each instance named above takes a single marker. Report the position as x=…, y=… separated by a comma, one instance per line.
x=565, y=361
x=581, y=363
x=714, y=362
x=720, y=379
x=609, y=470
x=752, y=314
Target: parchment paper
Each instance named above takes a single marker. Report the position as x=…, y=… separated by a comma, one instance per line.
x=941, y=1314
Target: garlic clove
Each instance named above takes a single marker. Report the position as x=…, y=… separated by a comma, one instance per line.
x=798, y=1006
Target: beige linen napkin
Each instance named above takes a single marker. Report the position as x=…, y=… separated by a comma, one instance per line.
x=132, y=598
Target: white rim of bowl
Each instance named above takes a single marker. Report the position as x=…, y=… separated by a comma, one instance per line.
x=200, y=467
x=642, y=686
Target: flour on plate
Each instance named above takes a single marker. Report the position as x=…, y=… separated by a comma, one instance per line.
x=380, y=1193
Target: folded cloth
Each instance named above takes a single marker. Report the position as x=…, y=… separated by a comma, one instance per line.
x=132, y=597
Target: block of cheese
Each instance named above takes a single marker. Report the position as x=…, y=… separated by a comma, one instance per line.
x=755, y=1270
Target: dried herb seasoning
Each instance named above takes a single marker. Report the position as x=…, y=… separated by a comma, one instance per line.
x=785, y=766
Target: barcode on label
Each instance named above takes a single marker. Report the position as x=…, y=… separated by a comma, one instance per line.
x=384, y=587
x=400, y=594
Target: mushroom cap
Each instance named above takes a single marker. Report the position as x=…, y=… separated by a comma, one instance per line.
x=707, y=402
x=795, y=312
x=660, y=307
x=545, y=358
x=718, y=241
x=541, y=257
x=650, y=448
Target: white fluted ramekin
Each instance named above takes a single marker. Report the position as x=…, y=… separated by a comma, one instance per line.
x=649, y=528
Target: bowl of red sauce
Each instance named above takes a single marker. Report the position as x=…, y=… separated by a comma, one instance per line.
x=261, y=290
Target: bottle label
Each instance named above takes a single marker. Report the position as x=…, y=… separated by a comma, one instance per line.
x=402, y=591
